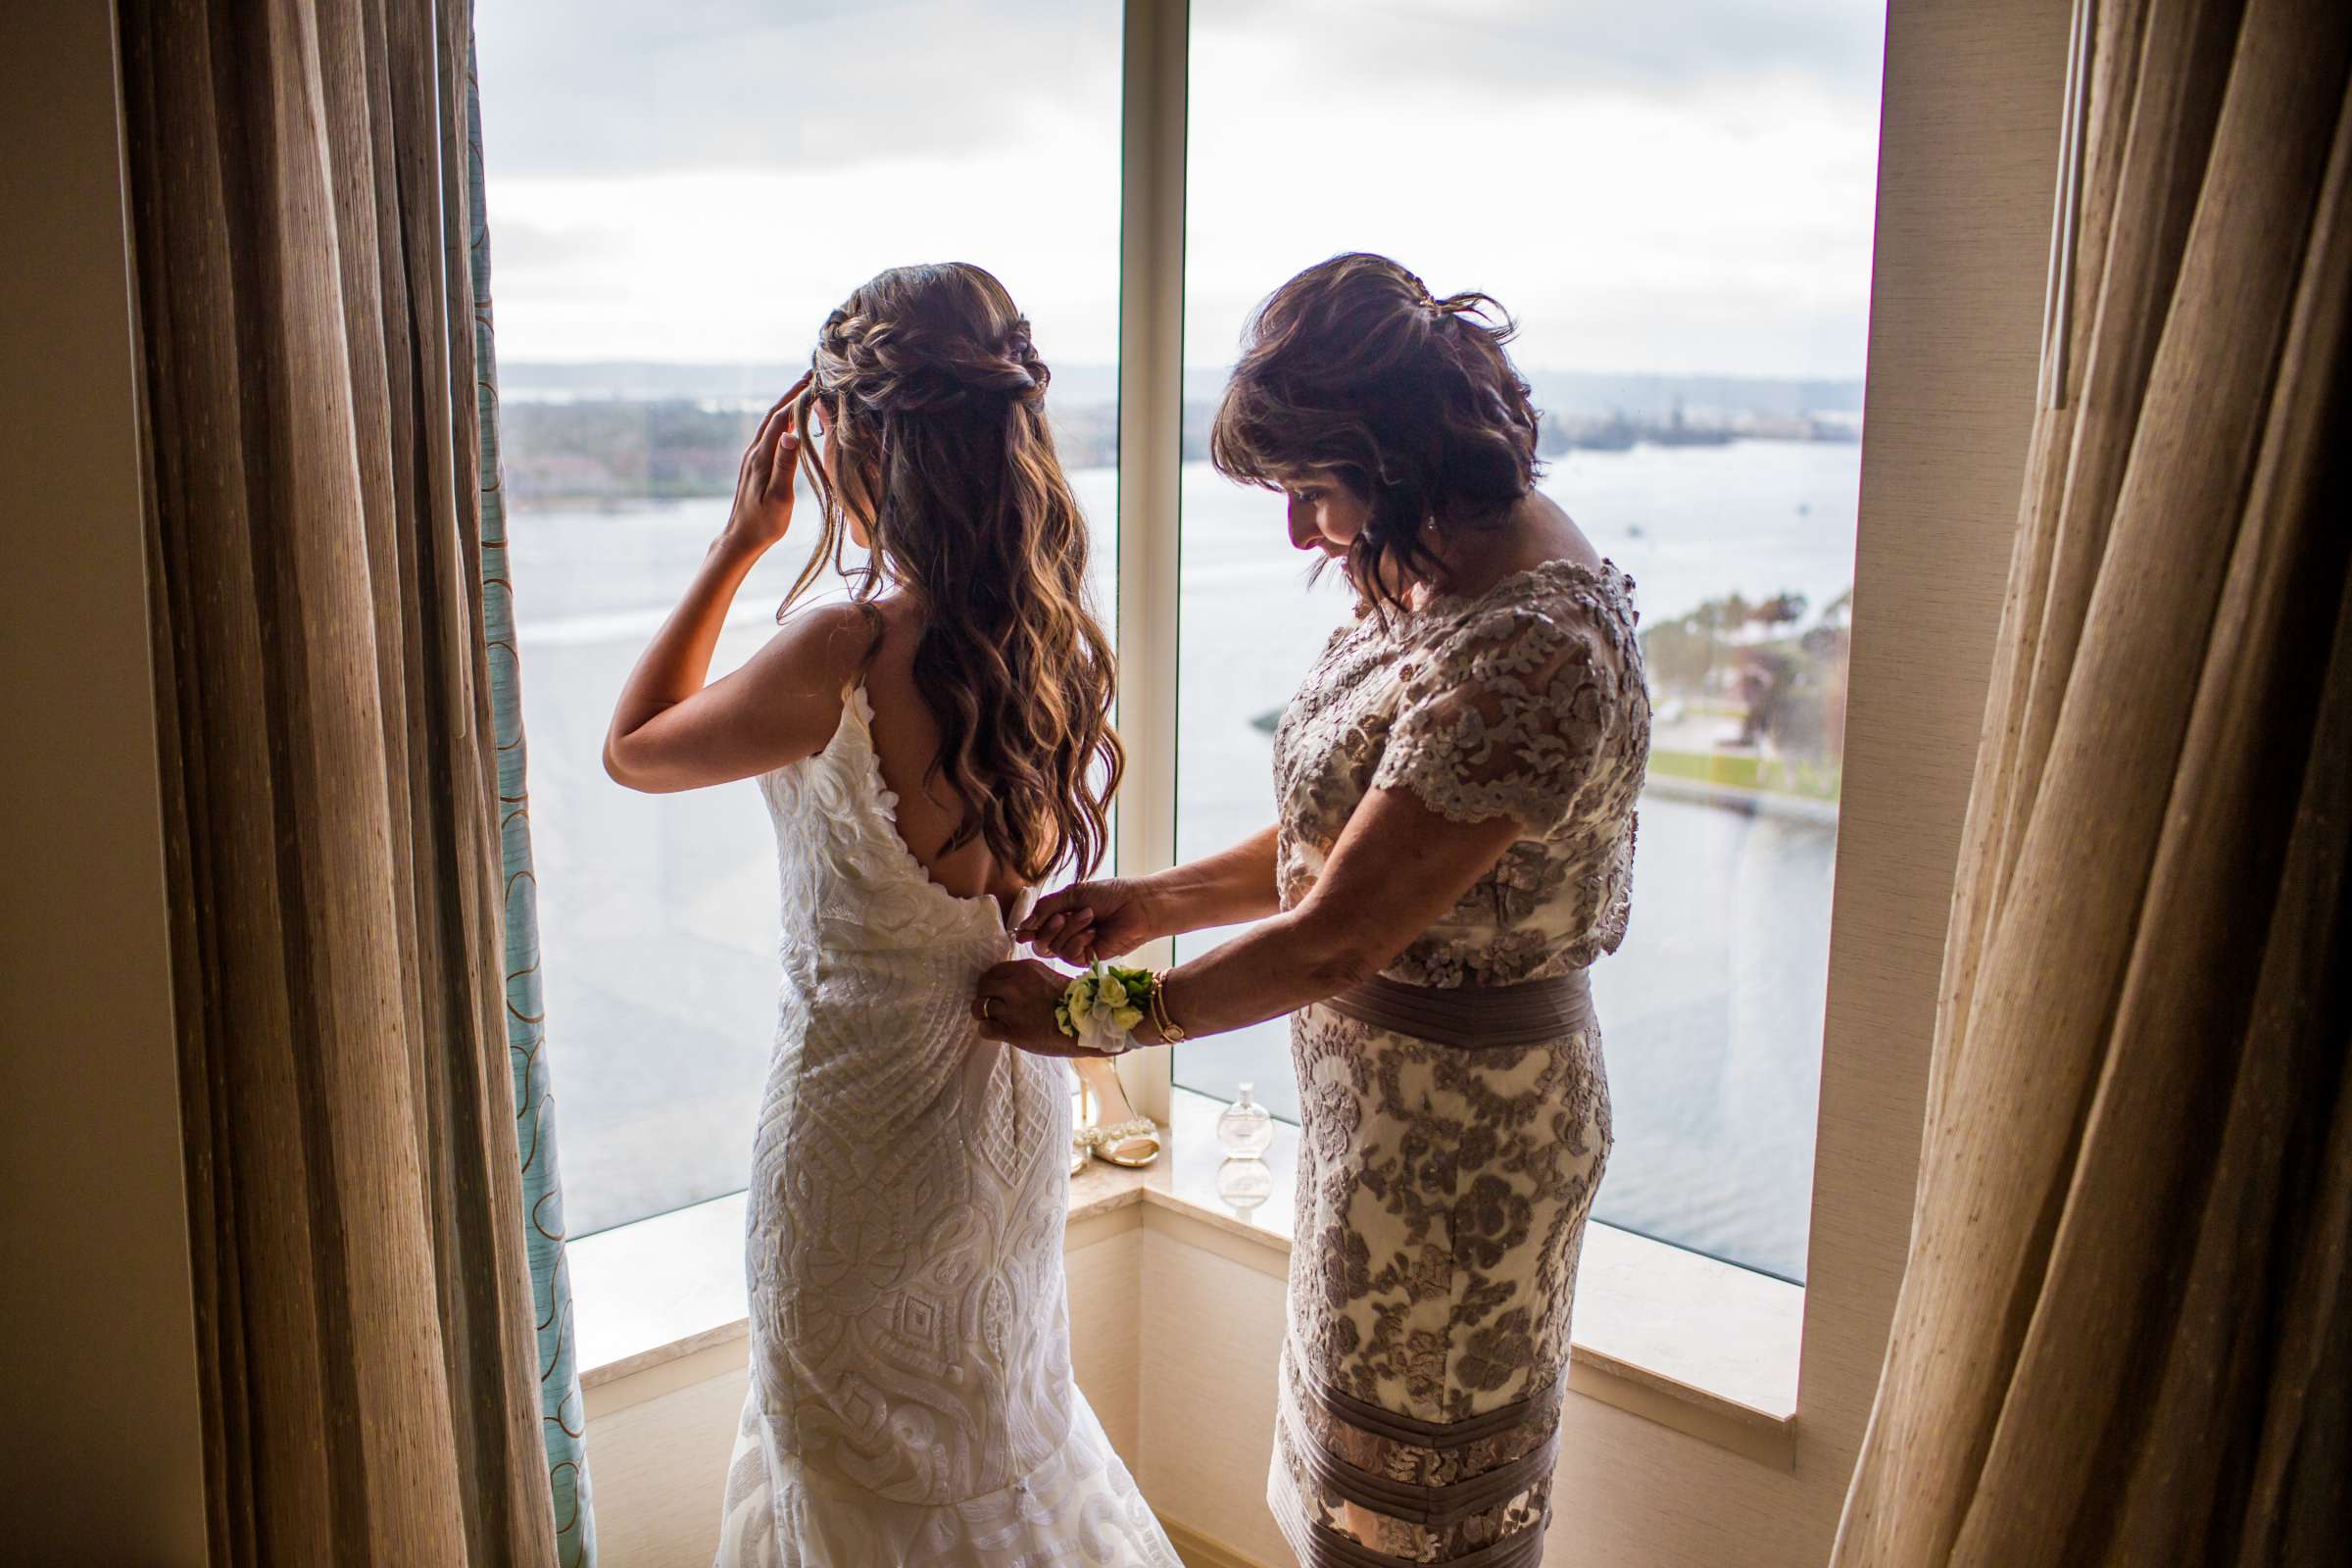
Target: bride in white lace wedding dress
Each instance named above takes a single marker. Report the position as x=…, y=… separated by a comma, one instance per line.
x=911, y=1400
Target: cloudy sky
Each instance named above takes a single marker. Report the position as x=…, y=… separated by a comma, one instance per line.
x=1678, y=185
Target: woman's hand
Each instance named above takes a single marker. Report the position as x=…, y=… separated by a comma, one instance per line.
x=1090, y=920
x=764, y=485
x=1014, y=1002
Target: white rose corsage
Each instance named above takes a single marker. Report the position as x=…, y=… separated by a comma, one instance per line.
x=1101, y=1008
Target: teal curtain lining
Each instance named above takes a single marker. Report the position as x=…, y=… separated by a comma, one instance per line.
x=562, y=1417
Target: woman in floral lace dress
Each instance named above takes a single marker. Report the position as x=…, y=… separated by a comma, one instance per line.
x=1455, y=785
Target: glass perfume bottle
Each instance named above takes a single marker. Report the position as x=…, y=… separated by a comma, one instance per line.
x=1244, y=1128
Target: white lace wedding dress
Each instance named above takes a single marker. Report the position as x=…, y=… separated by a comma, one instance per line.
x=911, y=1400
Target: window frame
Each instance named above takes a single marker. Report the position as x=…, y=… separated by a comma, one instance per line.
x=1155, y=42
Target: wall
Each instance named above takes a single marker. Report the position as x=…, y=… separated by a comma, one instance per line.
x=98, y=1411
x=1967, y=173
x=1636, y=1492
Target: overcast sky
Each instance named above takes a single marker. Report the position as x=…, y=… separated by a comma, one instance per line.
x=1676, y=185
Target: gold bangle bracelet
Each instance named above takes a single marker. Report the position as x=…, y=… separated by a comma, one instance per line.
x=1169, y=1033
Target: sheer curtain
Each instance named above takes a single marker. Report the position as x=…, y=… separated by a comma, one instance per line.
x=370, y=1385
x=564, y=1422
x=2123, y=1332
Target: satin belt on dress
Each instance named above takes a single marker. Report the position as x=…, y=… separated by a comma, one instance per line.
x=1474, y=1017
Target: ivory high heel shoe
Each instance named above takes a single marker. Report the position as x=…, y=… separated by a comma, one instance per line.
x=1116, y=1134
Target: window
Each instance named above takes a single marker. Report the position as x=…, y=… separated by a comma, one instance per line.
x=1965, y=242
x=677, y=199
x=1686, y=236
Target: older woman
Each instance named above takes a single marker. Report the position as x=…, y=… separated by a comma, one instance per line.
x=1455, y=783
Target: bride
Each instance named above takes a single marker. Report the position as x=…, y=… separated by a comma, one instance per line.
x=928, y=750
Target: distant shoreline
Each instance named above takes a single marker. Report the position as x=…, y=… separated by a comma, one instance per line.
x=617, y=451
x=1594, y=393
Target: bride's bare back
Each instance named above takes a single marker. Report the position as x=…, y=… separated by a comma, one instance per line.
x=929, y=813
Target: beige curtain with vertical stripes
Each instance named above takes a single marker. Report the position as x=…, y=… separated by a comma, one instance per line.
x=2126, y=1330
x=298, y=184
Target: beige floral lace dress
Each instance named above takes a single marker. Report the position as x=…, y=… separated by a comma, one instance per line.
x=1443, y=1187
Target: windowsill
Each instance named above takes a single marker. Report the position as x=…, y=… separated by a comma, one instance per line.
x=657, y=1289
x=1693, y=1344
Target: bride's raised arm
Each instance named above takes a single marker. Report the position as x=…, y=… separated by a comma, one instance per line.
x=674, y=729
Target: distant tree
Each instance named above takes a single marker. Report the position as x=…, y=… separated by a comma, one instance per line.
x=1678, y=653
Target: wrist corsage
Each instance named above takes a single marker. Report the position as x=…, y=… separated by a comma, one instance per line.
x=1102, y=1007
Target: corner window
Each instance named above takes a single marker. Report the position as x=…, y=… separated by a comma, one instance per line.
x=1684, y=233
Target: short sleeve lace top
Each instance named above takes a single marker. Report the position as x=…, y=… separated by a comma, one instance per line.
x=1527, y=701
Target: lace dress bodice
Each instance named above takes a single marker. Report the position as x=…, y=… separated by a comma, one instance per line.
x=1527, y=699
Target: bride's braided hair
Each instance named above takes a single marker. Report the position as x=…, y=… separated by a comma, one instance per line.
x=933, y=395
x=910, y=367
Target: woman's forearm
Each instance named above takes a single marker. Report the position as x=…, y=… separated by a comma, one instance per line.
x=1227, y=888
x=1397, y=869
x=1276, y=967
x=676, y=664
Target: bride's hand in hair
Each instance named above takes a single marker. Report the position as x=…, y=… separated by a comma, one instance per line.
x=1090, y=920
x=763, y=486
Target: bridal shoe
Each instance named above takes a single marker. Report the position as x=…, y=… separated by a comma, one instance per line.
x=1132, y=1142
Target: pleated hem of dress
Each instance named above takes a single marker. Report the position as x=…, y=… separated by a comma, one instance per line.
x=1319, y=1545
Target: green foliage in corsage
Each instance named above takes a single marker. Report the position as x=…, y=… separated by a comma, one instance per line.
x=1106, y=1003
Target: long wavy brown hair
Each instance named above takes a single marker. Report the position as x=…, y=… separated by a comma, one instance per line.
x=933, y=399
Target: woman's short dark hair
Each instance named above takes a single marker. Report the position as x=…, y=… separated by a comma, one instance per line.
x=1356, y=367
